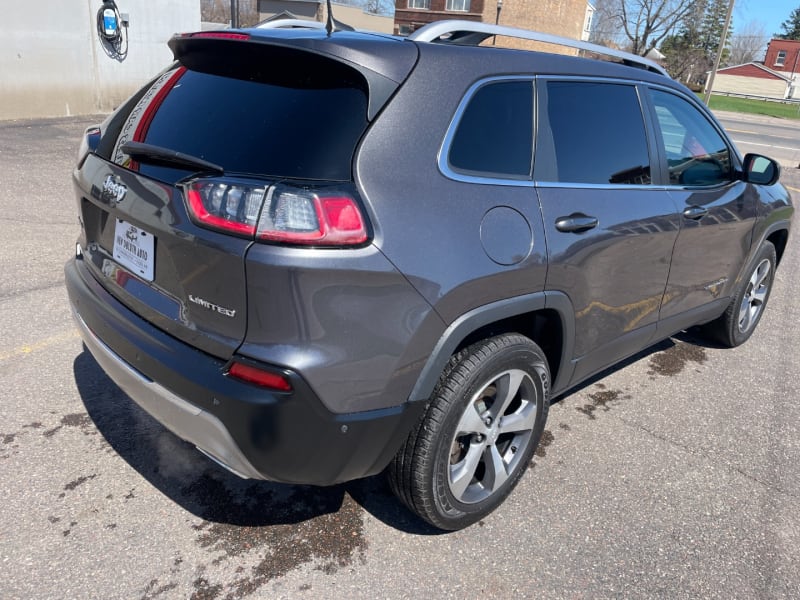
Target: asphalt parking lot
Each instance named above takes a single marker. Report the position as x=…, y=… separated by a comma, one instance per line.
x=675, y=475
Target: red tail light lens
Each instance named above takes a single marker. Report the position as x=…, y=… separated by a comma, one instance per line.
x=260, y=377
x=301, y=216
x=277, y=213
x=230, y=207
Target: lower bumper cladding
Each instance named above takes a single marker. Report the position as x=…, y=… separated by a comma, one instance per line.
x=289, y=437
x=185, y=420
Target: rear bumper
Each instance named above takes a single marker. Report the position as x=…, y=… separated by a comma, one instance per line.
x=286, y=437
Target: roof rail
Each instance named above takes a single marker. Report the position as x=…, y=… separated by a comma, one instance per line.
x=474, y=32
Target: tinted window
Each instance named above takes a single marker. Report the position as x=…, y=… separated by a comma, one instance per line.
x=596, y=135
x=696, y=153
x=495, y=134
x=283, y=129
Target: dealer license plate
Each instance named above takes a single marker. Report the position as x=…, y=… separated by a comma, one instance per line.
x=134, y=249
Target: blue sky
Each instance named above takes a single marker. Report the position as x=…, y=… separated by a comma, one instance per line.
x=770, y=13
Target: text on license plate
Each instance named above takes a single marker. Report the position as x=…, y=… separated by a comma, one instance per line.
x=134, y=249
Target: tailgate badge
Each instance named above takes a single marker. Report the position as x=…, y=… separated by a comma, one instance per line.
x=113, y=190
x=228, y=312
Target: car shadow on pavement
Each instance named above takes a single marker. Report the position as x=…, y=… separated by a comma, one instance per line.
x=205, y=489
x=693, y=337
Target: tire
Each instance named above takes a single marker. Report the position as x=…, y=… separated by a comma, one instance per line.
x=478, y=435
x=740, y=319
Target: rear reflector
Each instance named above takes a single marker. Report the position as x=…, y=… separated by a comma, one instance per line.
x=320, y=216
x=259, y=377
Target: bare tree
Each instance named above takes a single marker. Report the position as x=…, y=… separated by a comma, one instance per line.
x=748, y=44
x=377, y=7
x=645, y=23
x=606, y=24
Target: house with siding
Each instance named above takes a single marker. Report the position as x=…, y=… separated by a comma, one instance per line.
x=752, y=79
x=776, y=77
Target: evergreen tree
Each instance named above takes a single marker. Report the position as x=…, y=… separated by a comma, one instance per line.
x=791, y=26
x=713, y=24
x=691, y=53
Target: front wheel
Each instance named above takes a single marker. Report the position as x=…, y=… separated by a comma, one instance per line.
x=479, y=433
x=739, y=321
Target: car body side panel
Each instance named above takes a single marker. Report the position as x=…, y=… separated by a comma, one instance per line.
x=614, y=274
x=345, y=319
x=430, y=226
x=711, y=250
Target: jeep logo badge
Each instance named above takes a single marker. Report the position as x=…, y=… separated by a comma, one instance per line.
x=113, y=190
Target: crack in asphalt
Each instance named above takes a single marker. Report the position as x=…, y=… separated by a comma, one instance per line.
x=703, y=454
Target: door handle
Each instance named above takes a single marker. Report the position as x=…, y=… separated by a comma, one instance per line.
x=695, y=212
x=576, y=223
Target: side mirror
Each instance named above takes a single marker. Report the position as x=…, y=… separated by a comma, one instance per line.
x=761, y=170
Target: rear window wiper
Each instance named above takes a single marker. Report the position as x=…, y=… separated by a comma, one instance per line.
x=157, y=155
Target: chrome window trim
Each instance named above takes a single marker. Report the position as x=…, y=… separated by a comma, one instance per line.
x=597, y=186
x=444, y=150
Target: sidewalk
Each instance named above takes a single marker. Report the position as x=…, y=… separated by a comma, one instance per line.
x=767, y=120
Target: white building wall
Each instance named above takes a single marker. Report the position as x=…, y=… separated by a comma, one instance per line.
x=752, y=86
x=53, y=64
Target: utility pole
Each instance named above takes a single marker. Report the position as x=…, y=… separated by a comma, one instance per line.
x=720, y=50
x=234, y=14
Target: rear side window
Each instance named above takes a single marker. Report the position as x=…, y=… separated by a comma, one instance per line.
x=494, y=136
x=596, y=135
x=300, y=128
x=696, y=153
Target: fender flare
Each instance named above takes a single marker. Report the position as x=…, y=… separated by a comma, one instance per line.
x=478, y=317
x=782, y=225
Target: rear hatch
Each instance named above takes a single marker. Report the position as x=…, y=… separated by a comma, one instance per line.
x=182, y=177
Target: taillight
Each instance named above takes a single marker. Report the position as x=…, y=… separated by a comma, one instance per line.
x=309, y=216
x=229, y=207
x=303, y=216
x=89, y=143
x=260, y=377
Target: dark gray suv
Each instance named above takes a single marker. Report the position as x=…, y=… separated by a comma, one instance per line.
x=317, y=256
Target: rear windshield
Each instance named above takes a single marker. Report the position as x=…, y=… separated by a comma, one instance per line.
x=288, y=128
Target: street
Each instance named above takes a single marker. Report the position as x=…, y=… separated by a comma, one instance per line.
x=776, y=138
x=676, y=474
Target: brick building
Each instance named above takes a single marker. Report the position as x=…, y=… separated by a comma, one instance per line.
x=777, y=77
x=783, y=56
x=410, y=15
x=568, y=18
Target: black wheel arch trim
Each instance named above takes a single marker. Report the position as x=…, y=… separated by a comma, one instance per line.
x=484, y=315
x=758, y=240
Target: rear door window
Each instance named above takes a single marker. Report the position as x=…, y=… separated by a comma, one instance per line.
x=595, y=135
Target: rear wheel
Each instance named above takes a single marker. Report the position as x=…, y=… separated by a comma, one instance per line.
x=740, y=319
x=478, y=436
